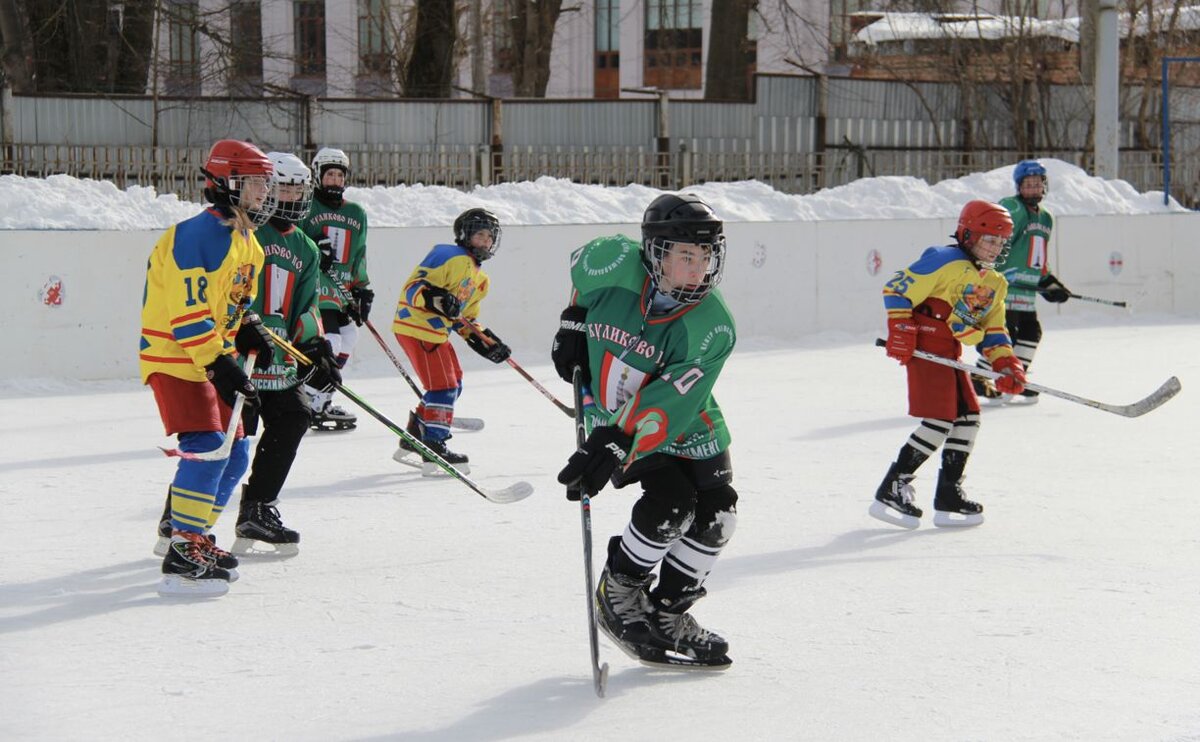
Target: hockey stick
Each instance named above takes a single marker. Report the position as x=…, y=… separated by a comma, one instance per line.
x=599, y=672
x=221, y=452
x=474, y=328
x=1073, y=295
x=1152, y=401
x=462, y=423
x=512, y=493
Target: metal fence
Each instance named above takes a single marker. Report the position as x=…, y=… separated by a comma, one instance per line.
x=869, y=128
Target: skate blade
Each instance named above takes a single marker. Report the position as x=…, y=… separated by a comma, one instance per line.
x=431, y=469
x=262, y=550
x=662, y=659
x=944, y=519
x=880, y=511
x=178, y=586
x=332, y=427
x=161, y=546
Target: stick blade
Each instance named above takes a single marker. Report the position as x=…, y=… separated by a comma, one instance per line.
x=467, y=423
x=512, y=493
x=1156, y=399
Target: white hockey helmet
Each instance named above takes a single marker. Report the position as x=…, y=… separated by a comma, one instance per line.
x=290, y=170
x=326, y=158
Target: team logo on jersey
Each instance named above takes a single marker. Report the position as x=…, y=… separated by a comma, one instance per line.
x=243, y=285
x=975, y=302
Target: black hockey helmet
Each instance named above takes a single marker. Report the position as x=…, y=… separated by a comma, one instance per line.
x=683, y=219
x=475, y=220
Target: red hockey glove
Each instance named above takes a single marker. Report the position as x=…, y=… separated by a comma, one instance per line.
x=1013, y=380
x=901, y=340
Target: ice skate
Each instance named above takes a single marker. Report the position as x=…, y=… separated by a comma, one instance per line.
x=333, y=418
x=987, y=392
x=188, y=571
x=1024, y=399
x=623, y=610
x=261, y=533
x=408, y=455
x=678, y=641
x=951, y=508
x=894, y=500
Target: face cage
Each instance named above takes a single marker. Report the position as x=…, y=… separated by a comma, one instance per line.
x=263, y=213
x=293, y=211
x=658, y=247
x=1000, y=256
x=476, y=225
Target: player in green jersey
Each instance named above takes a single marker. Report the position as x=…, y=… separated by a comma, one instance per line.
x=339, y=227
x=1026, y=265
x=651, y=334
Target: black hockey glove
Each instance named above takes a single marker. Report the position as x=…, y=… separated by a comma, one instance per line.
x=570, y=345
x=228, y=378
x=360, y=309
x=593, y=464
x=325, y=245
x=1052, y=289
x=253, y=336
x=440, y=301
x=495, y=351
x=323, y=372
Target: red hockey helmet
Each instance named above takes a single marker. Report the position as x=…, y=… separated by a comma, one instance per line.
x=980, y=218
x=231, y=166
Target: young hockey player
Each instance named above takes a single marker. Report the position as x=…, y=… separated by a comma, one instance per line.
x=200, y=279
x=339, y=227
x=287, y=302
x=447, y=287
x=651, y=333
x=950, y=296
x=1026, y=265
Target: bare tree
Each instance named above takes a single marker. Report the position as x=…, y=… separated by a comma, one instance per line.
x=727, y=75
x=430, y=69
x=532, y=24
x=17, y=46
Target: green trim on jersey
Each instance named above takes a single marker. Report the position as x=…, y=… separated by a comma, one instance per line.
x=287, y=299
x=347, y=225
x=1028, y=257
x=654, y=380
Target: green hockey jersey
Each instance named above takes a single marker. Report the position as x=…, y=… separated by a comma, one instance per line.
x=287, y=299
x=652, y=375
x=1028, y=257
x=346, y=228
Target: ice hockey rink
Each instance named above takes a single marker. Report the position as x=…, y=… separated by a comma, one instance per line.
x=420, y=611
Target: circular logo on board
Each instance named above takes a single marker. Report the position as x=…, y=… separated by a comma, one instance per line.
x=51, y=293
x=874, y=262
x=1116, y=263
x=760, y=255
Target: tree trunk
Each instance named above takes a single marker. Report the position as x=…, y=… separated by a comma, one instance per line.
x=137, y=41
x=18, y=47
x=726, y=77
x=430, y=70
x=532, y=25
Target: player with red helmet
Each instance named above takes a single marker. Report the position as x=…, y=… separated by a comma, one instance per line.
x=200, y=279
x=952, y=295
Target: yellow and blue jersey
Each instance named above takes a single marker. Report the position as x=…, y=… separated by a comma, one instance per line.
x=946, y=286
x=449, y=267
x=201, y=276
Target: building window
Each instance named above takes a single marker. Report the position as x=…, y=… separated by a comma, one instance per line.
x=310, y=38
x=183, y=61
x=674, y=44
x=246, y=47
x=607, y=73
x=374, y=54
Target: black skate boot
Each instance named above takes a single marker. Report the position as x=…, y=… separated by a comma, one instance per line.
x=188, y=571
x=951, y=506
x=332, y=417
x=430, y=468
x=220, y=557
x=416, y=430
x=679, y=641
x=623, y=610
x=260, y=532
x=894, y=500
x=164, y=529
x=986, y=390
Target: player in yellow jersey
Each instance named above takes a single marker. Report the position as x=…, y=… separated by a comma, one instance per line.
x=952, y=295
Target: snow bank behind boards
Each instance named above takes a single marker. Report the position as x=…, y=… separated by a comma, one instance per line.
x=71, y=299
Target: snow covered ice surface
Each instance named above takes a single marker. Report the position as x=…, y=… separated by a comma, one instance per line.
x=418, y=611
